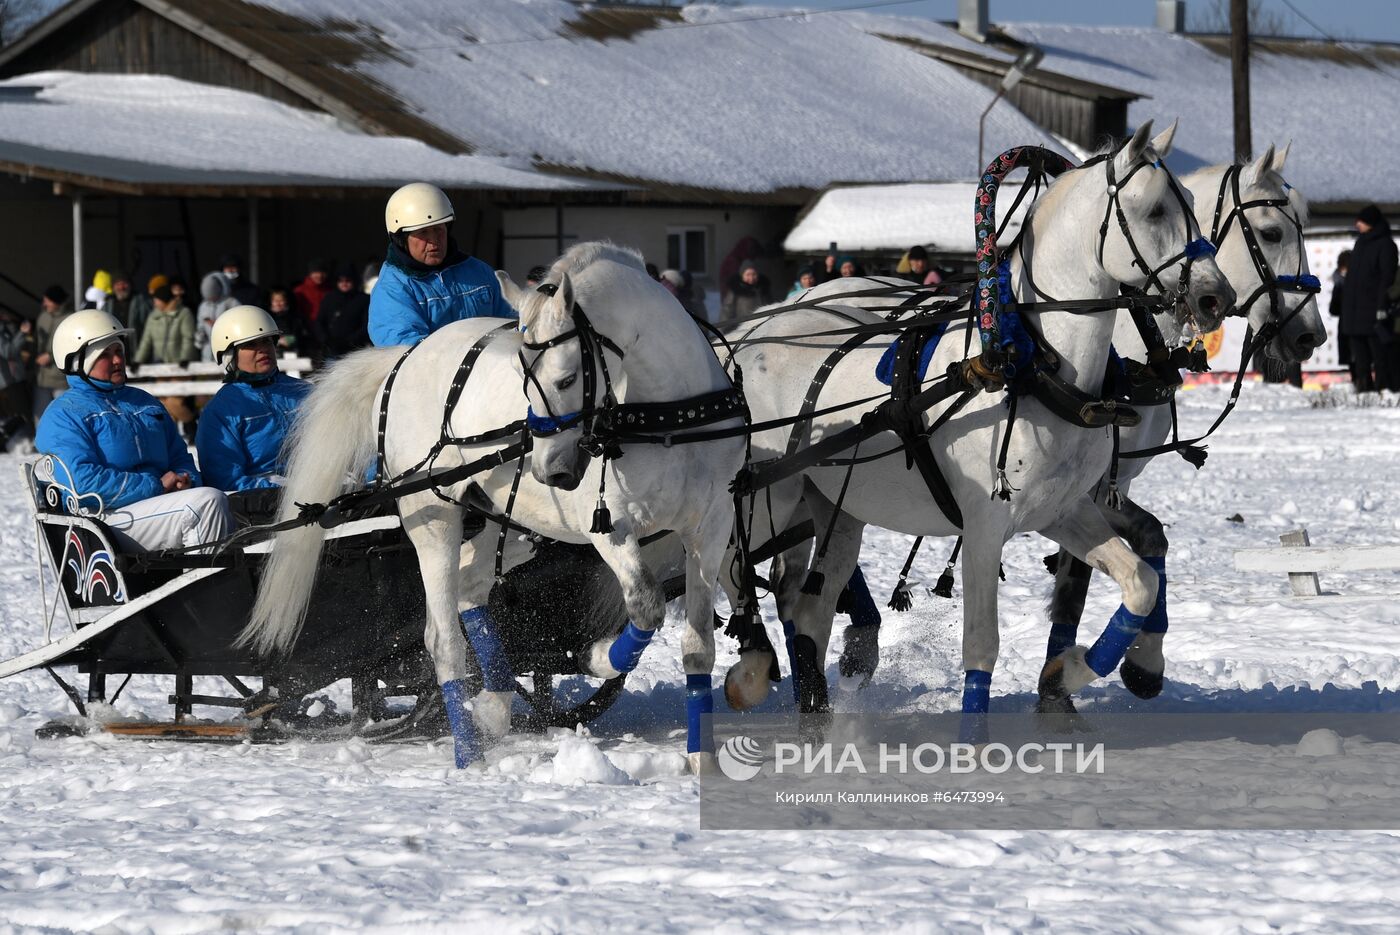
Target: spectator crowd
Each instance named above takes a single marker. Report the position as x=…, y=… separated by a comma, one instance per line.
x=323, y=316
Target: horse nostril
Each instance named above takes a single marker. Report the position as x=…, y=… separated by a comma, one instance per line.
x=1307, y=341
x=1209, y=304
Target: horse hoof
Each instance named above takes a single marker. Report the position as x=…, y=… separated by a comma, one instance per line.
x=862, y=654
x=702, y=764
x=1140, y=681
x=813, y=726
x=492, y=713
x=746, y=682
x=1057, y=713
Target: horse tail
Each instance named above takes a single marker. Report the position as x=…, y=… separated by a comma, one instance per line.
x=331, y=445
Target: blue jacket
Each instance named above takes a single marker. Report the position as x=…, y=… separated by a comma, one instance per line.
x=241, y=431
x=117, y=440
x=411, y=301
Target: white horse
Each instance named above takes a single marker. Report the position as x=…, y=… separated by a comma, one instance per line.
x=1052, y=465
x=1258, y=235
x=598, y=319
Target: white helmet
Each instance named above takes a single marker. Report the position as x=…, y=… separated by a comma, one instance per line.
x=81, y=338
x=415, y=206
x=239, y=325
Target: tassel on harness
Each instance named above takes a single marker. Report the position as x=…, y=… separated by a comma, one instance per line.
x=602, y=518
x=903, y=598
x=1001, y=487
x=944, y=585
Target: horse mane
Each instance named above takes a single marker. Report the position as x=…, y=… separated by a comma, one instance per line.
x=582, y=255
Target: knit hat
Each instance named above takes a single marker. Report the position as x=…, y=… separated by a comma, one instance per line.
x=156, y=281
x=918, y=253
x=1372, y=216
x=163, y=291
x=674, y=277
x=231, y=259
x=746, y=266
x=102, y=280
x=56, y=294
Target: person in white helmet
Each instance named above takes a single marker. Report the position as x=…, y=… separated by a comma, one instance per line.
x=241, y=429
x=120, y=444
x=426, y=282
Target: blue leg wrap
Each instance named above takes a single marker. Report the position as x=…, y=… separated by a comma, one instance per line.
x=977, y=692
x=626, y=651
x=1103, y=657
x=485, y=639
x=977, y=700
x=464, y=742
x=864, y=613
x=789, y=632
x=1157, y=617
x=699, y=701
x=1062, y=637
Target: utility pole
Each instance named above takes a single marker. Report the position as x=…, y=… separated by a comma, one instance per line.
x=1239, y=71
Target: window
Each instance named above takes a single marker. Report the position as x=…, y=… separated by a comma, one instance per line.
x=688, y=248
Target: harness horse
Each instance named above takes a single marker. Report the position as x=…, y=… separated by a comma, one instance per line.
x=620, y=383
x=1255, y=219
x=1039, y=476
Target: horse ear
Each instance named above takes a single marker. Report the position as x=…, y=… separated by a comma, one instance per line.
x=1255, y=171
x=513, y=294
x=1162, y=142
x=564, y=297
x=1281, y=157
x=1132, y=150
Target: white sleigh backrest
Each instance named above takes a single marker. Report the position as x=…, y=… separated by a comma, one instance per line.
x=51, y=484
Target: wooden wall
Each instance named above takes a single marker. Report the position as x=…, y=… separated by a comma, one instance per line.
x=125, y=38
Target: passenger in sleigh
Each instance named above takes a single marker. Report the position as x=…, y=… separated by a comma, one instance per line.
x=241, y=430
x=120, y=444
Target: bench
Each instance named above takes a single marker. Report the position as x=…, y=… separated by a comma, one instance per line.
x=1302, y=561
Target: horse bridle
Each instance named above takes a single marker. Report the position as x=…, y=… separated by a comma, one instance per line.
x=1269, y=283
x=1195, y=248
x=592, y=362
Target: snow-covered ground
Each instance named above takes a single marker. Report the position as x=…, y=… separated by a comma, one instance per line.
x=600, y=832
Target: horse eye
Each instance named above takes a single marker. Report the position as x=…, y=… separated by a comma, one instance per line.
x=1272, y=234
x=1158, y=212
x=568, y=381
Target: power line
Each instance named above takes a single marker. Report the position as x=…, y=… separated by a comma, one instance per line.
x=1339, y=43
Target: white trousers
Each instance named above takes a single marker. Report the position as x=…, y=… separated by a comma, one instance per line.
x=180, y=518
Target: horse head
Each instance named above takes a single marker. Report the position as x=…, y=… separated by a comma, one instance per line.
x=1149, y=238
x=1256, y=222
x=558, y=356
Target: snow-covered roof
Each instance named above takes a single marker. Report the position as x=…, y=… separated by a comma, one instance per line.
x=726, y=98
x=1334, y=102
x=153, y=130
x=890, y=217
